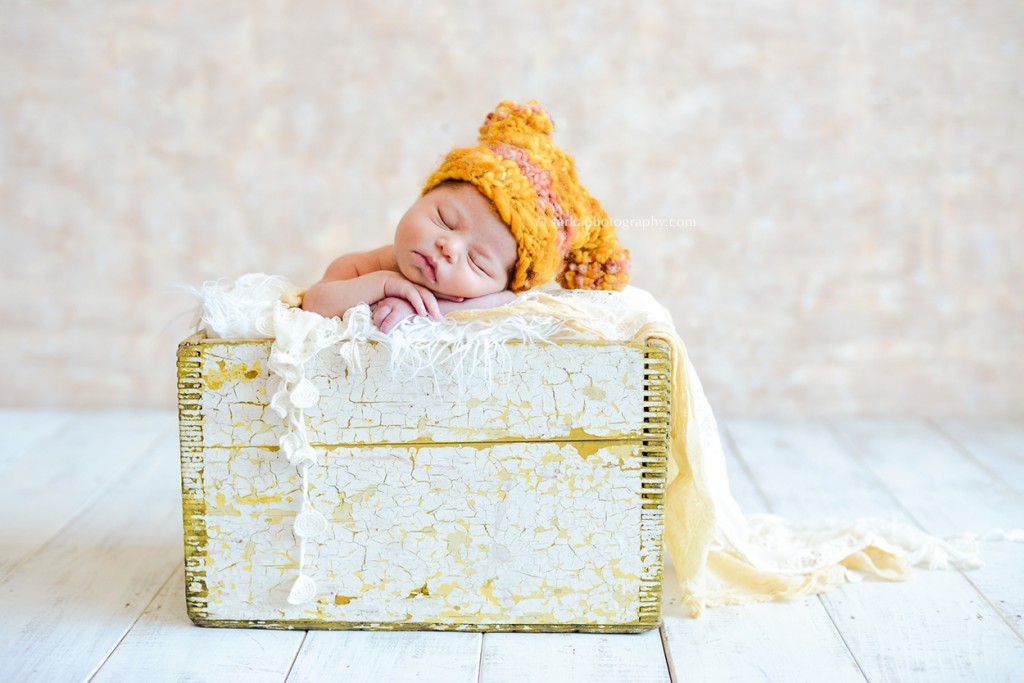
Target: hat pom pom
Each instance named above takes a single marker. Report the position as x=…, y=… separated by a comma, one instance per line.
x=586, y=269
x=511, y=119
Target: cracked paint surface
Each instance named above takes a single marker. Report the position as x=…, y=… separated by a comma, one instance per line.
x=553, y=391
x=513, y=533
x=525, y=502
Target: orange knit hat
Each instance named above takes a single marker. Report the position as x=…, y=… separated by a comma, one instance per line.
x=560, y=230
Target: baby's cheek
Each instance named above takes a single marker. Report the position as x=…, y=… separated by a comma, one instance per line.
x=410, y=274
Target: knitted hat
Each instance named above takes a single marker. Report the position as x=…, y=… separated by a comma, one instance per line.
x=560, y=230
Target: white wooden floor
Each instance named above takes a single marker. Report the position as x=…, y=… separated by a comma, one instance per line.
x=91, y=570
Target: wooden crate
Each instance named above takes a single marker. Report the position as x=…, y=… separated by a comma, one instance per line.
x=530, y=500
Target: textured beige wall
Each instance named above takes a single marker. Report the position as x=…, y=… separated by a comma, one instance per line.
x=850, y=176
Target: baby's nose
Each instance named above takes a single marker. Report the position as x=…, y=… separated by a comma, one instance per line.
x=448, y=247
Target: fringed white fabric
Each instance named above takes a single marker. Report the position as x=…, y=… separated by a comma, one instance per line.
x=721, y=556
x=239, y=308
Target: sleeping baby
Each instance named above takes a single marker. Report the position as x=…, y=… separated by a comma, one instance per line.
x=494, y=220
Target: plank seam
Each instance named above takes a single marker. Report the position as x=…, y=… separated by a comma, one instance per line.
x=826, y=605
x=668, y=656
x=295, y=658
x=103, y=660
x=995, y=608
x=849, y=449
x=968, y=456
x=480, y=658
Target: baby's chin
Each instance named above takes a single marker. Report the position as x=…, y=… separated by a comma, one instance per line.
x=415, y=276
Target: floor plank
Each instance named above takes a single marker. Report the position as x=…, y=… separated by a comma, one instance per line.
x=776, y=641
x=996, y=446
x=573, y=658
x=952, y=494
x=70, y=603
x=929, y=476
x=164, y=645
x=793, y=640
x=936, y=627
x=374, y=656
x=929, y=629
x=66, y=471
x=24, y=427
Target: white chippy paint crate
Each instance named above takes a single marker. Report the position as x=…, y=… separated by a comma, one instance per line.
x=530, y=503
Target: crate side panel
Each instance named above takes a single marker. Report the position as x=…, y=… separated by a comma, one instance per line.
x=529, y=533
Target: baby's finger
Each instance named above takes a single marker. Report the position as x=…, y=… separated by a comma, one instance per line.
x=415, y=299
x=391, y=322
x=430, y=301
x=380, y=313
x=403, y=289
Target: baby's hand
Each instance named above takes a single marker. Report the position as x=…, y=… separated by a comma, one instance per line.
x=422, y=300
x=390, y=311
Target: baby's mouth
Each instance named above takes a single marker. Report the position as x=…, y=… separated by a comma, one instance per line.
x=427, y=263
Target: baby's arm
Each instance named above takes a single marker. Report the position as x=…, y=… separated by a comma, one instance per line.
x=486, y=301
x=363, y=278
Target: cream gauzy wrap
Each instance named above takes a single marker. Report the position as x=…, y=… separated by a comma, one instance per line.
x=721, y=556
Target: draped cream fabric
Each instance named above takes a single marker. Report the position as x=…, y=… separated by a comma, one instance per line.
x=721, y=555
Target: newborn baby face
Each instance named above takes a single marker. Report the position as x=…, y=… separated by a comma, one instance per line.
x=452, y=242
